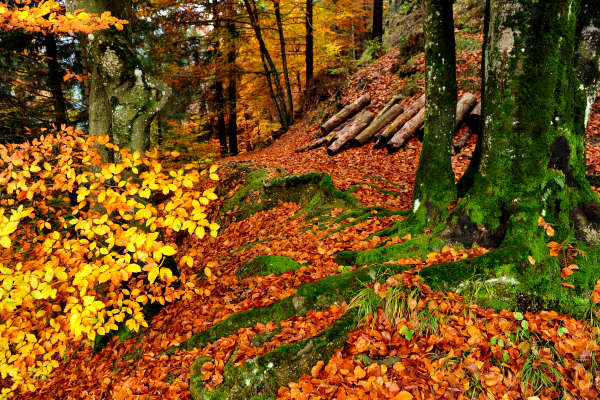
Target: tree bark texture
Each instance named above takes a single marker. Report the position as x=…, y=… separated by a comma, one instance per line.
x=123, y=98
x=533, y=140
x=434, y=184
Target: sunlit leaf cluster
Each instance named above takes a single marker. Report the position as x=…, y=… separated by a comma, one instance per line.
x=50, y=17
x=82, y=245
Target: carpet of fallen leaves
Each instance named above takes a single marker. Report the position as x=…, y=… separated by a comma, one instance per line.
x=473, y=354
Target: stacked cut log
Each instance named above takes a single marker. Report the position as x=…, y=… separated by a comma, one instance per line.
x=392, y=127
x=383, y=136
x=406, y=132
x=412, y=126
x=473, y=121
x=350, y=131
x=345, y=113
x=323, y=140
x=336, y=124
x=385, y=116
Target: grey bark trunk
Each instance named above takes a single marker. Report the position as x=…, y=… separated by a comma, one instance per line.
x=123, y=98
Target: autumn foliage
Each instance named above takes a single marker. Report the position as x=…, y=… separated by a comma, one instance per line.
x=83, y=248
x=50, y=17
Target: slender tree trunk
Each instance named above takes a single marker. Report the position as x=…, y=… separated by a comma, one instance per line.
x=269, y=65
x=232, y=85
x=377, y=30
x=221, y=128
x=434, y=185
x=232, y=116
x=308, y=53
x=290, y=110
x=123, y=98
x=55, y=80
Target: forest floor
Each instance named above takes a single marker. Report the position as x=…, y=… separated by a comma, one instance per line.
x=449, y=347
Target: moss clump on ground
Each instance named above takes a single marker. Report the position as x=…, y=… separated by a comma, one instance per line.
x=505, y=279
x=266, y=265
x=314, y=190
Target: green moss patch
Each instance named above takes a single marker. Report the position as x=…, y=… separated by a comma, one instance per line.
x=314, y=190
x=267, y=265
x=417, y=247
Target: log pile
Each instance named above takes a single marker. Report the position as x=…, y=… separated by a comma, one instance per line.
x=392, y=127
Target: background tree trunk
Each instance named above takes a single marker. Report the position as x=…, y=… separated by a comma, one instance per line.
x=55, y=79
x=221, y=127
x=290, y=110
x=232, y=85
x=309, y=43
x=123, y=98
x=377, y=30
x=269, y=66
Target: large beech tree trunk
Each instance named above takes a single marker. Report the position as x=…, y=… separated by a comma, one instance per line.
x=123, y=98
x=534, y=104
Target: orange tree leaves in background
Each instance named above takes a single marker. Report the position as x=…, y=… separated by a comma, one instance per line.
x=50, y=17
x=82, y=247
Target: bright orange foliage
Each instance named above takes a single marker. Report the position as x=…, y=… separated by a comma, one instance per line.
x=49, y=17
x=82, y=247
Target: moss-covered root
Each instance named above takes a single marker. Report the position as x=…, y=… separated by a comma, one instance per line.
x=420, y=246
x=506, y=279
x=266, y=265
x=316, y=295
x=261, y=377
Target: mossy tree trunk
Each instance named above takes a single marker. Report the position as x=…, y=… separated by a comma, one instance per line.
x=434, y=185
x=532, y=146
x=123, y=99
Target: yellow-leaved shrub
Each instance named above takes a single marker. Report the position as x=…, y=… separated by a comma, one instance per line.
x=81, y=245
